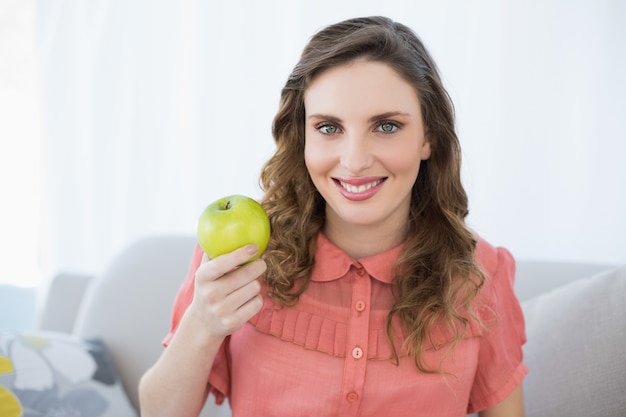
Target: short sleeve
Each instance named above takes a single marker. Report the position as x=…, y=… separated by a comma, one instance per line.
x=500, y=366
x=219, y=380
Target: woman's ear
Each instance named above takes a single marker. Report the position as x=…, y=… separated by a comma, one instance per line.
x=426, y=150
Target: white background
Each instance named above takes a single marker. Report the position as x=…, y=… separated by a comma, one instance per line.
x=121, y=119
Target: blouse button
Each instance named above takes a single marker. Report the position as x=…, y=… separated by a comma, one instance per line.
x=357, y=353
x=360, y=271
x=360, y=305
x=352, y=396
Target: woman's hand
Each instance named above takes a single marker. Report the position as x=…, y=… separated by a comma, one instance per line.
x=227, y=291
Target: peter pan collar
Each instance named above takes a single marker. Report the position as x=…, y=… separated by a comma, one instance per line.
x=332, y=263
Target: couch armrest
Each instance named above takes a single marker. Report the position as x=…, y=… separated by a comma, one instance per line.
x=61, y=301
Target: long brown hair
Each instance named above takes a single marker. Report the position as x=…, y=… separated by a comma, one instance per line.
x=436, y=277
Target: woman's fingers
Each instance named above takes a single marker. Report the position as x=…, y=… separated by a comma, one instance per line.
x=235, y=287
x=222, y=264
x=240, y=305
x=228, y=295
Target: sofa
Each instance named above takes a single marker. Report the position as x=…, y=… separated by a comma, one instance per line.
x=575, y=322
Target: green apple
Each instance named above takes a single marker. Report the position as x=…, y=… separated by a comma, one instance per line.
x=230, y=223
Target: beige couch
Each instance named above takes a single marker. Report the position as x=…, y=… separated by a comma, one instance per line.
x=575, y=315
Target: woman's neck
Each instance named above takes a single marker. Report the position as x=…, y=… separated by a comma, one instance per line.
x=363, y=241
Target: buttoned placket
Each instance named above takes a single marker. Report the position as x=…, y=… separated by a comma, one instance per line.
x=355, y=362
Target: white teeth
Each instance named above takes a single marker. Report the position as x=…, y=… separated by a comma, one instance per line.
x=359, y=188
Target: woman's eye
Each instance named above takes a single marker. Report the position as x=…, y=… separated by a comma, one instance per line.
x=328, y=129
x=388, y=127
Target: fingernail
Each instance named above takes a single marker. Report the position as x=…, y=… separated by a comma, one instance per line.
x=252, y=249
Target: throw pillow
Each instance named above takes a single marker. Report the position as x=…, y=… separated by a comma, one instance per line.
x=57, y=374
x=575, y=348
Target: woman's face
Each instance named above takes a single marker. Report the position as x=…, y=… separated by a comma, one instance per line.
x=364, y=141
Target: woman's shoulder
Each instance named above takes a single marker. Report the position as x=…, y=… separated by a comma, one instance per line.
x=497, y=303
x=494, y=260
x=498, y=266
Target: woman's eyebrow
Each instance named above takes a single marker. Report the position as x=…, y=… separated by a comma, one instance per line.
x=374, y=118
x=388, y=115
x=328, y=117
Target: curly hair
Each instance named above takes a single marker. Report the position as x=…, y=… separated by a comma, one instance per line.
x=436, y=277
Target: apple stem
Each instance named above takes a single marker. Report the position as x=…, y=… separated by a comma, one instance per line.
x=227, y=205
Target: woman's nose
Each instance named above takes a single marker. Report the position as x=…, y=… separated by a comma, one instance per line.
x=356, y=154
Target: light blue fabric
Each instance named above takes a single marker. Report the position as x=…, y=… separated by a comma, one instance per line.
x=17, y=308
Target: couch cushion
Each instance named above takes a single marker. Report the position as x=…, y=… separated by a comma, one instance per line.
x=575, y=349
x=46, y=373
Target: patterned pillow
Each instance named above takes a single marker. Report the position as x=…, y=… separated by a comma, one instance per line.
x=57, y=374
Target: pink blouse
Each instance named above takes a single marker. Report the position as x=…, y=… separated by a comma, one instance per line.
x=329, y=355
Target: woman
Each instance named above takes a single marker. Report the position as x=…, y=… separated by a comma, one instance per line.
x=373, y=296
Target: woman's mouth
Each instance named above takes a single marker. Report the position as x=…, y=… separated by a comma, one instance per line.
x=359, y=189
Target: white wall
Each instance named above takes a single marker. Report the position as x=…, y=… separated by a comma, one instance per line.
x=542, y=115
x=154, y=109
x=19, y=148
